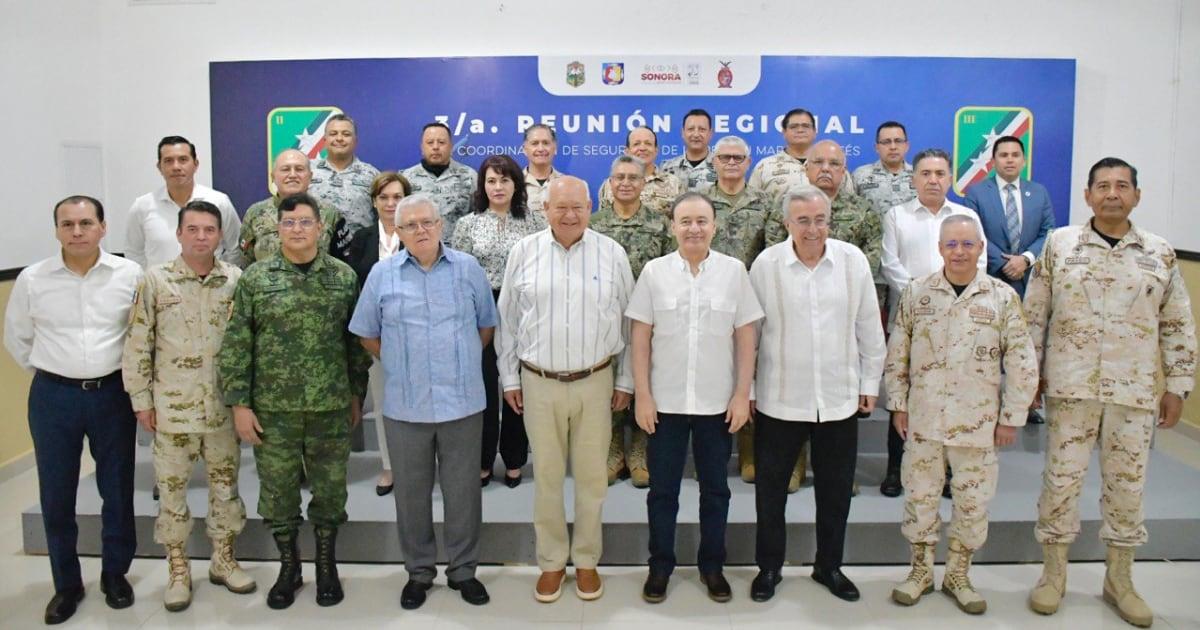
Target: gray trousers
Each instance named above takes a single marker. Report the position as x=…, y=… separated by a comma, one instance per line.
x=451, y=449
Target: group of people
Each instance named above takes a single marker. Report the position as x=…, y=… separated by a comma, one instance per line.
x=494, y=311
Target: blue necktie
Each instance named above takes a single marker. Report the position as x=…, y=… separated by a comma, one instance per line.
x=1012, y=221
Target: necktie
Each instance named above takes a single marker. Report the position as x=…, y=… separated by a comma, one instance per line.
x=1011, y=219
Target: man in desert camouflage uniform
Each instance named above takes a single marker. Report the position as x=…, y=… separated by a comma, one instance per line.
x=645, y=235
x=1112, y=325
x=785, y=170
x=660, y=188
x=540, y=146
x=450, y=184
x=887, y=182
x=955, y=331
x=342, y=180
x=292, y=175
x=695, y=167
x=294, y=376
x=169, y=370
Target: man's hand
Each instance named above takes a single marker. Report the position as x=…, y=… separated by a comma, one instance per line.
x=645, y=412
x=1170, y=408
x=1005, y=435
x=515, y=400
x=1016, y=266
x=247, y=426
x=866, y=404
x=900, y=421
x=147, y=419
x=620, y=400
x=738, y=413
x=355, y=411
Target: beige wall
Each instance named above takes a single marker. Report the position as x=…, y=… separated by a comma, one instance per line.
x=1191, y=277
x=14, y=428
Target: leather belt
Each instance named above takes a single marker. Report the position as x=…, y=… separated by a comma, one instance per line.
x=567, y=377
x=86, y=384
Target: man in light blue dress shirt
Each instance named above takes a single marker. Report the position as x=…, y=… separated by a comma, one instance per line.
x=427, y=313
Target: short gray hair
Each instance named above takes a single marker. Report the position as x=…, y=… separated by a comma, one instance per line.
x=959, y=219
x=807, y=193
x=412, y=201
x=734, y=140
x=628, y=159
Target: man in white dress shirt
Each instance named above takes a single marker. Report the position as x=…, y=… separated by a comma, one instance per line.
x=561, y=331
x=693, y=313
x=66, y=322
x=819, y=365
x=150, y=236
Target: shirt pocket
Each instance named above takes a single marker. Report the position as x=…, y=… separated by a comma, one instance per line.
x=720, y=317
x=1149, y=293
x=666, y=317
x=985, y=353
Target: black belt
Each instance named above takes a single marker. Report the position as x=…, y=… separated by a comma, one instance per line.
x=86, y=384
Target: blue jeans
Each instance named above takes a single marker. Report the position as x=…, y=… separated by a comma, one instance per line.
x=665, y=457
x=60, y=416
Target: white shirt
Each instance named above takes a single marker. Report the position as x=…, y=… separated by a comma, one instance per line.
x=563, y=310
x=388, y=245
x=822, y=344
x=910, y=243
x=153, y=219
x=692, y=367
x=71, y=325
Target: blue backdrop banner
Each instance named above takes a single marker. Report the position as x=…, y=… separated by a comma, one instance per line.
x=957, y=104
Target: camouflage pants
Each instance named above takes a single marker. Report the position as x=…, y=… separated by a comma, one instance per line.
x=637, y=438
x=1124, y=433
x=923, y=472
x=175, y=456
x=319, y=439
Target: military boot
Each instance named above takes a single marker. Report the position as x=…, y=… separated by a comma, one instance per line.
x=1118, y=588
x=283, y=593
x=920, y=578
x=329, y=586
x=639, y=475
x=178, y=595
x=616, y=453
x=956, y=584
x=745, y=448
x=1051, y=587
x=224, y=569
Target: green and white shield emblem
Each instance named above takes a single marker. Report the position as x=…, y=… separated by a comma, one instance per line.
x=976, y=129
x=301, y=128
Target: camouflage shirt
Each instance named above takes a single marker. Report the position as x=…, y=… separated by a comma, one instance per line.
x=658, y=195
x=645, y=236
x=853, y=221
x=260, y=230
x=170, y=359
x=536, y=192
x=693, y=177
x=945, y=356
x=741, y=222
x=781, y=172
x=287, y=347
x=883, y=188
x=1112, y=324
x=349, y=191
x=451, y=191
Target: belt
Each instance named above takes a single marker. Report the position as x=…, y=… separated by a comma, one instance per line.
x=567, y=377
x=86, y=384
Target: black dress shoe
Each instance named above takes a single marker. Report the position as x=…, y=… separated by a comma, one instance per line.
x=512, y=482
x=63, y=605
x=472, y=591
x=763, y=586
x=382, y=490
x=154, y=492
x=117, y=591
x=837, y=583
x=654, y=590
x=891, y=484
x=718, y=588
x=484, y=481
x=413, y=594
x=947, y=491
x=1034, y=418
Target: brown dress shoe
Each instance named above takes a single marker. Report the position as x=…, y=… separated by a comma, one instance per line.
x=588, y=585
x=549, y=586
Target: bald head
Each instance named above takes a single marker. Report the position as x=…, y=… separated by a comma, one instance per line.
x=291, y=173
x=826, y=166
x=568, y=209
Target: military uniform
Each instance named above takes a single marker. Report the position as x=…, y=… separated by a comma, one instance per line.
x=451, y=191
x=169, y=366
x=348, y=190
x=260, y=230
x=536, y=192
x=781, y=172
x=692, y=177
x=289, y=356
x=741, y=222
x=658, y=195
x=1113, y=328
x=883, y=188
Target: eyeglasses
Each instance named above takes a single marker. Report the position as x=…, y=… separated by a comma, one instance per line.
x=968, y=244
x=804, y=222
x=832, y=164
x=303, y=224
x=413, y=226
x=627, y=178
x=731, y=159
x=890, y=141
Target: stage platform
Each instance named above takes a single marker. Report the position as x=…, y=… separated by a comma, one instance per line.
x=1172, y=507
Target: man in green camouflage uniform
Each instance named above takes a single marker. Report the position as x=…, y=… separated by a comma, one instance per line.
x=260, y=230
x=169, y=370
x=660, y=188
x=1113, y=329
x=645, y=235
x=695, y=167
x=295, y=376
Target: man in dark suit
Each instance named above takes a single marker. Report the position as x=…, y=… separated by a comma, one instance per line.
x=1016, y=217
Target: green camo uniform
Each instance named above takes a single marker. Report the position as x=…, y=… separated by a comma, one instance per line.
x=289, y=356
x=259, y=239
x=645, y=236
x=659, y=193
x=741, y=222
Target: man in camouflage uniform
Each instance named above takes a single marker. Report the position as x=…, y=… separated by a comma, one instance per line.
x=785, y=170
x=695, y=167
x=1112, y=325
x=645, y=235
x=169, y=371
x=291, y=175
x=888, y=181
x=540, y=146
x=955, y=330
x=660, y=188
x=449, y=183
x=342, y=180
x=294, y=375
